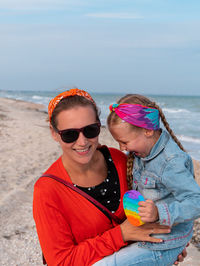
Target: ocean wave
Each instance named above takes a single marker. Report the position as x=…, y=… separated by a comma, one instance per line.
x=36, y=97
x=167, y=110
x=188, y=139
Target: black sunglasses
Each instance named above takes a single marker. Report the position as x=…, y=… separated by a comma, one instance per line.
x=72, y=134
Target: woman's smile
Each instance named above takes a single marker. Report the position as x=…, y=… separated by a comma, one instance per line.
x=82, y=151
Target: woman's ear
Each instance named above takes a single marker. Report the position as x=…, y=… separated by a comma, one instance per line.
x=54, y=134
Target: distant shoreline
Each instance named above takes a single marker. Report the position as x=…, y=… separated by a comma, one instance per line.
x=56, y=91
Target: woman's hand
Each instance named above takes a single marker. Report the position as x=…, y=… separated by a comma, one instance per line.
x=181, y=256
x=143, y=232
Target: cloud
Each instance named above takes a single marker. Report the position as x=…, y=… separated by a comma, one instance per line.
x=115, y=15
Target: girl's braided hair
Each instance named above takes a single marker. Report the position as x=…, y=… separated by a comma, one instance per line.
x=113, y=118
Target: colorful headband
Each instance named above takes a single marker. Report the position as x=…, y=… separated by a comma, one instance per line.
x=138, y=115
x=55, y=101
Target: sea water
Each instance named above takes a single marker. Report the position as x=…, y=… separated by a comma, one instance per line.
x=182, y=112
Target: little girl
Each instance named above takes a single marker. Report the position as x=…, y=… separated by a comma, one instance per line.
x=162, y=173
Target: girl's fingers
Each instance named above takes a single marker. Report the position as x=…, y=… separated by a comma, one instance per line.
x=146, y=219
x=145, y=203
x=142, y=214
x=141, y=203
x=145, y=214
x=149, y=201
x=143, y=209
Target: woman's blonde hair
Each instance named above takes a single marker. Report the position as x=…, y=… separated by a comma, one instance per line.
x=70, y=103
x=113, y=118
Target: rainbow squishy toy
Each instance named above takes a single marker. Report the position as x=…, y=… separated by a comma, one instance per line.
x=130, y=201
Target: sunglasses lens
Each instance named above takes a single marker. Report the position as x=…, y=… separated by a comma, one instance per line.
x=69, y=136
x=91, y=131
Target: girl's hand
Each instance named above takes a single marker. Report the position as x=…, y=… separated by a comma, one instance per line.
x=143, y=232
x=148, y=211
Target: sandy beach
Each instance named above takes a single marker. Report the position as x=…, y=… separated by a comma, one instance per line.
x=27, y=149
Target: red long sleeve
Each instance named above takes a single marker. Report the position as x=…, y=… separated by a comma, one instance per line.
x=71, y=230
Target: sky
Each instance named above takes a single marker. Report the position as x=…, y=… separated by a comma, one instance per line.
x=122, y=46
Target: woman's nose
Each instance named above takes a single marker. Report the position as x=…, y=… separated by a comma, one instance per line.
x=82, y=140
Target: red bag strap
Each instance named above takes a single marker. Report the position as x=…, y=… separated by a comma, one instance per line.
x=85, y=195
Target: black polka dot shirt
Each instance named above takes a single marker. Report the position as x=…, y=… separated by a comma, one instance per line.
x=108, y=192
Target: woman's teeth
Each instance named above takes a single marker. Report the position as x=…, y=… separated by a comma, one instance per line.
x=84, y=150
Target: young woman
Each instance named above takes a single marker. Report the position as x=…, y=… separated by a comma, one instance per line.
x=73, y=230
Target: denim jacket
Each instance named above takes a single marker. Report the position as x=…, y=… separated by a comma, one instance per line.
x=166, y=177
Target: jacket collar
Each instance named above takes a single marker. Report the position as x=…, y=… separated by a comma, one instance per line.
x=159, y=146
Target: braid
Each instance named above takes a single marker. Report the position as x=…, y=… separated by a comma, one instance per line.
x=130, y=160
x=166, y=124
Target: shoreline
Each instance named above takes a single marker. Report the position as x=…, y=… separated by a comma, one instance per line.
x=27, y=151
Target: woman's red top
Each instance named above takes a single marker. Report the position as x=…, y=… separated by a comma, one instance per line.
x=71, y=230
